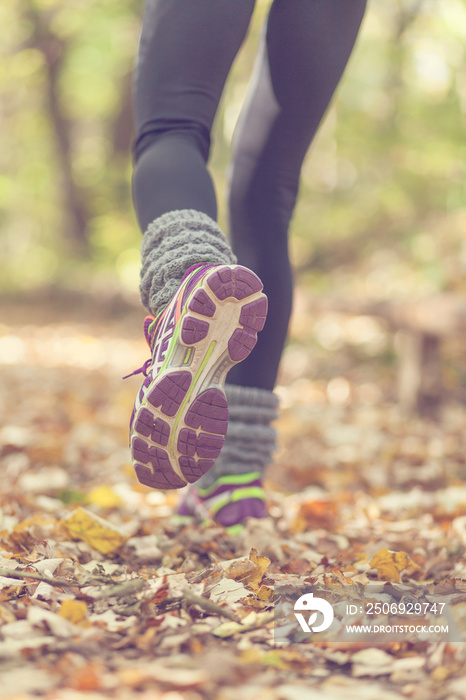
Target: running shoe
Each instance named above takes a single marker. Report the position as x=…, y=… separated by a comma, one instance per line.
x=229, y=501
x=180, y=416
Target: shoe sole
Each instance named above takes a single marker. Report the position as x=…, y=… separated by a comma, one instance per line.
x=180, y=427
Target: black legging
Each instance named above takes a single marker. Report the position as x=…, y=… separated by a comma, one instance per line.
x=187, y=48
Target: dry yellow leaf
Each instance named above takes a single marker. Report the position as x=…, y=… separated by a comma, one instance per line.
x=249, y=571
x=262, y=563
x=251, y=655
x=6, y=615
x=253, y=602
x=36, y=519
x=441, y=673
x=74, y=610
x=83, y=525
x=240, y=570
x=260, y=599
x=104, y=496
x=389, y=564
x=265, y=593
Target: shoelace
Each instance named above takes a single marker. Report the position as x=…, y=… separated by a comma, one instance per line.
x=148, y=334
x=151, y=324
x=141, y=370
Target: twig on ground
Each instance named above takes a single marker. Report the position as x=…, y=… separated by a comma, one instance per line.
x=208, y=605
x=11, y=573
x=124, y=588
x=118, y=589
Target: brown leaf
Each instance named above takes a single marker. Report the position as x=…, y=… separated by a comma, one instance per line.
x=297, y=565
x=75, y=611
x=389, y=564
x=315, y=514
x=83, y=525
x=249, y=571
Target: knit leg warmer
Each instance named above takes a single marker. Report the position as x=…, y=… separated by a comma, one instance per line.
x=172, y=243
x=250, y=441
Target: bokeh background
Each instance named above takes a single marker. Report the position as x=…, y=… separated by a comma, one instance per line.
x=381, y=216
x=382, y=209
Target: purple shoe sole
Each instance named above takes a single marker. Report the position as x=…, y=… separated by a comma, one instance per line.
x=180, y=427
x=235, y=513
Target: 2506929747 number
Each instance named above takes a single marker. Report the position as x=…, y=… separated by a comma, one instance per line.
x=397, y=608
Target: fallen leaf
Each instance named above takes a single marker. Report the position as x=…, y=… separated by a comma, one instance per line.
x=83, y=525
x=227, y=591
x=104, y=496
x=265, y=593
x=315, y=514
x=297, y=565
x=57, y=625
x=249, y=571
x=389, y=564
x=87, y=677
x=371, y=656
x=176, y=677
x=252, y=621
x=371, y=662
x=74, y=610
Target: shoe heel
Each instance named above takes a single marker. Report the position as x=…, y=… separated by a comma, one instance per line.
x=240, y=283
x=236, y=281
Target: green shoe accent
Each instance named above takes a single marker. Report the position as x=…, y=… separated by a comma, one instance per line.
x=231, y=500
x=183, y=519
x=233, y=479
x=235, y=529
x=239, y=495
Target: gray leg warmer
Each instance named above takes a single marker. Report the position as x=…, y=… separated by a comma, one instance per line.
x=171, y=244
x=250, y=441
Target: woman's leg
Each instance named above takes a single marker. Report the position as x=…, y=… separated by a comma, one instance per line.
x=186, y=51
x=304, y=50
x=208, y=310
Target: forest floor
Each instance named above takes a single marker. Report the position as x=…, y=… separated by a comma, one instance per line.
x=105, y=593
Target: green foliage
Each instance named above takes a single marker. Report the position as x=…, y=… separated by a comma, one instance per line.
x=382, y=208
x=384, y=182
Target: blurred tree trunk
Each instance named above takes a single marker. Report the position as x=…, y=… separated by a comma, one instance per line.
x=403, y=18
x=121, y=133
x=53, y=49
x=123, y=126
